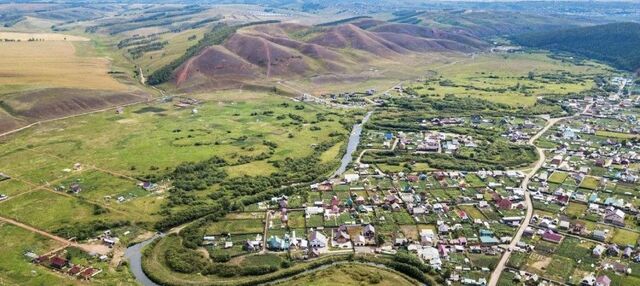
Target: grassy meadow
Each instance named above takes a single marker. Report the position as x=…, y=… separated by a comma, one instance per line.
x=15, y=268
x=115, y=149
x=506, y=78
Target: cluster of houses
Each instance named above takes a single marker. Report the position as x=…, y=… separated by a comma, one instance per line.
x=63, y=265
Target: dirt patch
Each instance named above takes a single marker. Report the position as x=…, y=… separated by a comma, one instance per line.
x=540, y=262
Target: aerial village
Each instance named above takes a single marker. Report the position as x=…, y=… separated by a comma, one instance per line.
x=584, y=197
x=584, y=229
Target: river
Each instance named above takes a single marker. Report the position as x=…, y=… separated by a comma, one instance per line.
x=354, y=140
x=134, y=255
x=134, y=252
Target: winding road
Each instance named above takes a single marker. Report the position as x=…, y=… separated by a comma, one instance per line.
x=495, y=276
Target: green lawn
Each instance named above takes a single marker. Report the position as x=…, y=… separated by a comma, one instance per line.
x=625, y=237
x=558, y=177
x=590, y=183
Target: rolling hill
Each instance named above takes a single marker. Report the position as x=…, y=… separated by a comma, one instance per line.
x=484, y=23
x=286, y=50
x=616, y=44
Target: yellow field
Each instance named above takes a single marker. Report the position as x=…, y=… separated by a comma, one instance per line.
x=29, y=65
x=178, y=44
x=44, y=36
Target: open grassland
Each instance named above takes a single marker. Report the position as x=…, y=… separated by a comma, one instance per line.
x=380, y=74
x=516, y=79
x=115, y=150
x=48, y=64
x=350, y=274
x=15, y=268
x=163, y=136
x=49, y=211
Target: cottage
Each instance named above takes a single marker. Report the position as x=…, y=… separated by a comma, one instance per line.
x=614, y=216
x=341, y=235
x=58, y=262
x=599, y=235
x=551, y=236
x=504, y=204
x=317, y=239
x=598, y=250
x=369, y=231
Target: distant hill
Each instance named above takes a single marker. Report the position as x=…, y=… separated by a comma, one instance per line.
x=617, y=44
x=484, y=23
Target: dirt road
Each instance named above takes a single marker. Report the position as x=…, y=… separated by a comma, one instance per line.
x=90, y=248
x=495, y=276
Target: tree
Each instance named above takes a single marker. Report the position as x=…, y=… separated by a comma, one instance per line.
x=531, y=75
x=379, y=239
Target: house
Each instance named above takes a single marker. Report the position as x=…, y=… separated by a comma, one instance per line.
x=551, y=236
x=613, y=250
x=340, y=235
x=253, y=245
x=504, y=204
x=598, y=250
x=359, y=240
x=562, y=200
x=614, y=216
x=58, y=262
x=276, y=243
x=431, y=256
x=369, y=231
x=599, y=235
x=603, y=280
x=317, y=239
x=443, y=229
x=578, y=227
x=89, y=272
x=426, y=237
x=74, y=270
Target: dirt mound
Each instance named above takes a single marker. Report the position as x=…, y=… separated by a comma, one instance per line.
x=60, y=102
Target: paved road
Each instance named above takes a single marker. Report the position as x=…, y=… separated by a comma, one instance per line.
x=524, y=185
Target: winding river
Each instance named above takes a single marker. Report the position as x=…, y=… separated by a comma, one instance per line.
x=134, y=252
x=134, y=255
x=354, y=140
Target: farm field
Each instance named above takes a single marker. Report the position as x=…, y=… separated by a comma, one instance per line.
x=51, y=64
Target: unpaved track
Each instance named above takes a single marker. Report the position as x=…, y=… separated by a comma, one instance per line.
x=90, y=248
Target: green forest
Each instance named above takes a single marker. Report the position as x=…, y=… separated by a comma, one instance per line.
x=615, y=44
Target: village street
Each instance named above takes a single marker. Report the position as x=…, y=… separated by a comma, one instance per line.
x=495, y=276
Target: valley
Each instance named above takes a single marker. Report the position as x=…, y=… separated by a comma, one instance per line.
x=314, y=144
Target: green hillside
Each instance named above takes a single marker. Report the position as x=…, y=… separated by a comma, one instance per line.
x=616, y=44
